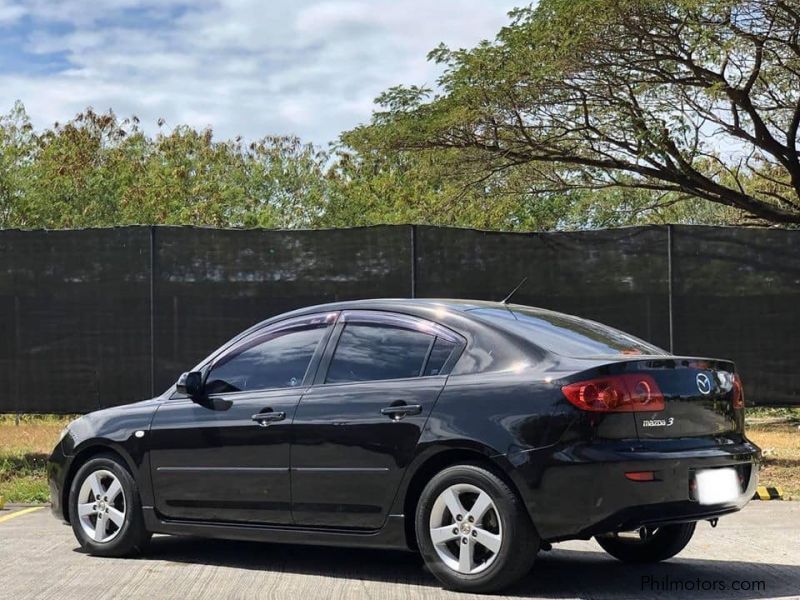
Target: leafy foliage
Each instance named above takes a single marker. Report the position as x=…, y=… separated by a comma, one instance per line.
x=99, y=171
x=675, y=99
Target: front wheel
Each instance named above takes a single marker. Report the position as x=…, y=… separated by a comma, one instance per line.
x=104, y=508
x=647, y=545
x=473, y=531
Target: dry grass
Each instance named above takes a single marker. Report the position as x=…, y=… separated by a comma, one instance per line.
x=24, y=449
x=31, y=435
x=779, y=440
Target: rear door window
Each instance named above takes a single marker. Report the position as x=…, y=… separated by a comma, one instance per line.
x=375, y=351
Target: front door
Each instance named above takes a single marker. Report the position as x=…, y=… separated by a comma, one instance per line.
x=226, y=458
x=356, y=429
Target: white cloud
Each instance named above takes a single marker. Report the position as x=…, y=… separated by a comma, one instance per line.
x=247, y=67
x=10, y=12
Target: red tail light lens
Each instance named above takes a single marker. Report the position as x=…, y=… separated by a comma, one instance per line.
x=641, y=475
x=738, y=392
x=616, y=393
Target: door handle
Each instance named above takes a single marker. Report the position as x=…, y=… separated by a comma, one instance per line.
x=399, y=411
x=265, y=418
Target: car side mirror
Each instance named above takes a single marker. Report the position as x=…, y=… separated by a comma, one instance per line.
x=191, y=384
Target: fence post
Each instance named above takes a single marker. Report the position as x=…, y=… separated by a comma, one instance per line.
x=152, y=310
x=16, y=361
x=669, y=289
x=413, y=261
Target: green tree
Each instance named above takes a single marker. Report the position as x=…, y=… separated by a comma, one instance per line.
x=97, y=170
x=671, y=99
x=17, y=146
x=370, y=182
x=367, y=186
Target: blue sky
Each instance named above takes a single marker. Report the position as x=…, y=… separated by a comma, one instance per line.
x=306, y=67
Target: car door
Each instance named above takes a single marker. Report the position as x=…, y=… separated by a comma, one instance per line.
x=226, y=458
x=356, y=429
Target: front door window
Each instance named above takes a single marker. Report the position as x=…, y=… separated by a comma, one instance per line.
x=276, y=360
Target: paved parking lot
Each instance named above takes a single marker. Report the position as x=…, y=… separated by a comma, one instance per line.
x=39, y=558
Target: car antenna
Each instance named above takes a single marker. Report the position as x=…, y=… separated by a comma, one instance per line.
x=514, y=291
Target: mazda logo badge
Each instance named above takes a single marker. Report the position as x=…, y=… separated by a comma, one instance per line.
x=704, y=384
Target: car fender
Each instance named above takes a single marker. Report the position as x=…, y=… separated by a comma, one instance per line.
x=105, y=430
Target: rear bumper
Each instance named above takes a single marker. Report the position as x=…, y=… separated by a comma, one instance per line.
x=581, y=490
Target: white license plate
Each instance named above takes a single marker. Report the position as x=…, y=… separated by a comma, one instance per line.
x=717, y=486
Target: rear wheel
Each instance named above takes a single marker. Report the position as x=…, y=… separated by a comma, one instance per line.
x=647, y=544
x=105, y=510
x=473, y=531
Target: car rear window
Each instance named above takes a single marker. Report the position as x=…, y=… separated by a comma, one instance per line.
x=564, y=334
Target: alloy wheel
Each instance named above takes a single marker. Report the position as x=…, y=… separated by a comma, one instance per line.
x=101, y=506
x=465, y=528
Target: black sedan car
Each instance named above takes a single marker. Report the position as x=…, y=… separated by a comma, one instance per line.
x=476, y=433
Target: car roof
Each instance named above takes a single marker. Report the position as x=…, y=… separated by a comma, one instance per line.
x=471, y=319
x=489, y=346
x=455, y=304
x=456, y=315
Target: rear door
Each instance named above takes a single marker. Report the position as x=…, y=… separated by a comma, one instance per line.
x=356, y=429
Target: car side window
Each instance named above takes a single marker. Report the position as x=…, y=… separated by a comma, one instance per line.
x=374, y=351
x=441, y=351
x=276, y=360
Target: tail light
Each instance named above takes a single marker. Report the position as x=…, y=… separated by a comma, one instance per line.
x=616, y=393
x=641, y=475
x=738, y=392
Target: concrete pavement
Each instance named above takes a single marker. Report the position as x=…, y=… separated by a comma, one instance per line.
x=753, y=554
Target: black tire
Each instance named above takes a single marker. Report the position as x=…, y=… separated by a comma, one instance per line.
x=129, y=538
x=665, y=542
x=519, y=540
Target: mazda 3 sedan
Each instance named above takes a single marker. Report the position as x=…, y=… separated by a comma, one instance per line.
x=476, y=433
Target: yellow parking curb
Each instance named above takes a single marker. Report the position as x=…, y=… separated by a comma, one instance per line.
x=19, y=513
x=768, y=493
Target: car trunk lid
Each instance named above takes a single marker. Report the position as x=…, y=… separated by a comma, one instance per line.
x=698, y=397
